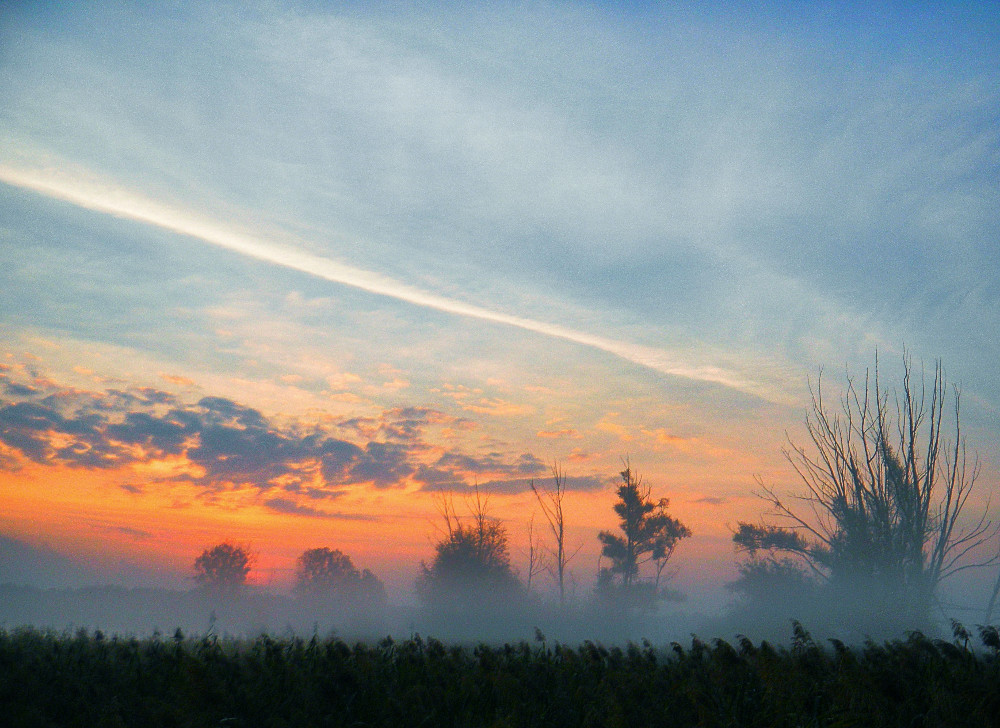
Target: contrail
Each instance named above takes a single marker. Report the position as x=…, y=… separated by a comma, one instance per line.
x=123, y=203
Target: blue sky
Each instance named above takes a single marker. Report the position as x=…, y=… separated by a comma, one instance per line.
x=688, y=212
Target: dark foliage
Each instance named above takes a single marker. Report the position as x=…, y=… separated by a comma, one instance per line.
x=92, y=680
x=222, y=568
x=648, y=534
x=328, y=574
x=762, y=582
x=471, y=566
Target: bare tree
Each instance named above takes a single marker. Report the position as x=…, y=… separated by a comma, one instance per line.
x=884, y=492
x=551, y=501
x=536, y=564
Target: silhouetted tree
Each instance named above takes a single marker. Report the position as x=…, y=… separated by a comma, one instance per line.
x=536, y=561
x=551, y=501
x=884, y=493
x=648, y=535
x=326, y=573
x=222, y=568
x=765, y=582
x=993, y=601
x=472, y=562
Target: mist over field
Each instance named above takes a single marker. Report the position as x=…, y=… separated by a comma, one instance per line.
x=43, y=590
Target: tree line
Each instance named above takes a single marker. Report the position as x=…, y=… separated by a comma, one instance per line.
x=472, y=561
x=879, y=517
x=319, y=573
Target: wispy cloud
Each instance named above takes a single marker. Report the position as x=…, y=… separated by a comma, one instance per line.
x=520, y=485
x=89, y=193
x=292, y=508
x=711, y=500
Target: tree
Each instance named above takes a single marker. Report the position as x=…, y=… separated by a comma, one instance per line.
x=326, y=573
x=222, y=568
x=472, y=562
x=649, y=534
x=536, y=562
x=993, y=601
x=551, y=502
x=766, y=583
x=884, y=492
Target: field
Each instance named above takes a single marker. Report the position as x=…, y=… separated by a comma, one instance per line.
x=89, y=679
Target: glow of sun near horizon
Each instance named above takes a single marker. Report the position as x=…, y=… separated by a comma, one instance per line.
x=288, y=274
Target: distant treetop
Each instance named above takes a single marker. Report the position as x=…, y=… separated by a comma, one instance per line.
x=223, y=567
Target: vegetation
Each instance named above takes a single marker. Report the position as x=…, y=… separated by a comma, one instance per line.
x=883, y=500
x=551, y=502
x=222, y=568
x=90, y=680
x=322, y=573
x=648, y=534
x=471, y=565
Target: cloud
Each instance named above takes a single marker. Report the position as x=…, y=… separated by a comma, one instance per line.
x=384, y=464
x=291, y=508
x=435, y=479
x=614, y=428
x=177, y=379
x=456, y=471
x=34, y=429
x=688, y=445
x=20, y=390
x=320, y=493
x=711, y=500
x=568, y=433
x=586, y=483
x=136, y=533
x=528, y=464
x=498, y=408
x=218, y=443
x=84, y=190
x=470, y=463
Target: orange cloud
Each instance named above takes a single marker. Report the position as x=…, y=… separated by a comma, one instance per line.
x=342, y=380
x=177, y=379
x=614, y=428
x=499, y=408
x=396, y=384
x=568, y=433
x=688, y=445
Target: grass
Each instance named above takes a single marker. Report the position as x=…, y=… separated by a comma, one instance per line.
x=88, y=679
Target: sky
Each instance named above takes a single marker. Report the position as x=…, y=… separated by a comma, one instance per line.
x=290, y=273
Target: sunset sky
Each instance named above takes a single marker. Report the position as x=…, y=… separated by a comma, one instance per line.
x=285, y=273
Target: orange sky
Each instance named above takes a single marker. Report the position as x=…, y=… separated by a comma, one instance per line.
x=142, y=513
x=157, y=509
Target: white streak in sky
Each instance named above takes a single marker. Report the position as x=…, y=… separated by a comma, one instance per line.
x=112, y=200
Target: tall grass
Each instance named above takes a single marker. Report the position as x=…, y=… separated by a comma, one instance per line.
x=88, y=679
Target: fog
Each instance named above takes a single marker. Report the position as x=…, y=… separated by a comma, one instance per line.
x=42, y=589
